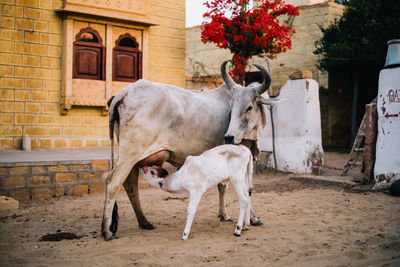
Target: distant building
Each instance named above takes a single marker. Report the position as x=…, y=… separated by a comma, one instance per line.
x=60, y=61
x=203, y=61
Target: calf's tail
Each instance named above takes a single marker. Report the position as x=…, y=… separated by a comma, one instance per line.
x=249, y=174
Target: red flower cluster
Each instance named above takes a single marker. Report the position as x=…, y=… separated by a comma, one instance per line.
x=247, y=31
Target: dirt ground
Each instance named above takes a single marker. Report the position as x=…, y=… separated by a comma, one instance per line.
x=305, y=224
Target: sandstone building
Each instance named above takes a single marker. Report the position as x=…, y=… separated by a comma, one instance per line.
x=60, y=61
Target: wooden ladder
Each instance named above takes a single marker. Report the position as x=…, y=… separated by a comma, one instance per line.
x=356, y=150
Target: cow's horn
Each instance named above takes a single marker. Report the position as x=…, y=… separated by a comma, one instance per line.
x=227, y=78
x=267, y=79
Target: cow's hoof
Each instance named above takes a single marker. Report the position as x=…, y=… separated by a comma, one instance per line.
x=222, y=219
x=256, y=223
x=110, y=238
x=236, y=234
x=147, y=226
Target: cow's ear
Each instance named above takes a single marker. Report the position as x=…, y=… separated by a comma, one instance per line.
x=145, y=169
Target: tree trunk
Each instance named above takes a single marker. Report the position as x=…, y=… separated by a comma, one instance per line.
x=371, y=119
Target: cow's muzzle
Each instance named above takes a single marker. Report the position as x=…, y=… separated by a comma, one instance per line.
x=229, y=139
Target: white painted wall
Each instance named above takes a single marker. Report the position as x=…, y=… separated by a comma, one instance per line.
x=297, y=120
x=387, y=163
x=304, y=2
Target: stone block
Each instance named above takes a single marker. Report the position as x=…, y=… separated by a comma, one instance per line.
x=19, y=170
x=58, y=168
x=92, y=143
x=76, y=143
x=79, y=190
x=32, y=37
x=79, y=167
x=10, y=59
x=3, y=171
x=6, y=118
x=13, y=181
x=24, y=72
x=24, y=24
x=31, y=13
x=42, y=194
x=39, y=49
x=89, y=176
x=60, y=143
x=39, y=169
x=100, y=164
x=8, y=203
x=7, y=143
x=50, y=108
x=22, y=48
x=33, y=107
x=23, y=119
x=62, y=177
x=97, y=188
x=6, y=94
x=45, y=143
x=21, y=195
x=39, y=180
x=35, y=131
x=7, y=46
x=55, y=131
x=41, y=26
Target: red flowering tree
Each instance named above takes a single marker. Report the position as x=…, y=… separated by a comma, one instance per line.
x=247, y=31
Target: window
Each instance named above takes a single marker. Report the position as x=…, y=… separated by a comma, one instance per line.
x=127, y=59
x=89, y=55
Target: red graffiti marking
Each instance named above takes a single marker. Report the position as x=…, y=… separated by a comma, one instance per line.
x=393, y=95
x=391, y=115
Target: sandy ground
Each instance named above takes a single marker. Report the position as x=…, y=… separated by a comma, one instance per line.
x=305, y=224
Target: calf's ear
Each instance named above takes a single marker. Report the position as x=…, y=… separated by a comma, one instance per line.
x=145, y=169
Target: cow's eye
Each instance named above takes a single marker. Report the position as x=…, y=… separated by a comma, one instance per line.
x=152, y=172
x=249, y=108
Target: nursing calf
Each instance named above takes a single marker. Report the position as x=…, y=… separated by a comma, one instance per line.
x=199, y=173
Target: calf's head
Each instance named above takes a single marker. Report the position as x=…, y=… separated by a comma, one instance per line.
x=154, y=175
x=247, y=113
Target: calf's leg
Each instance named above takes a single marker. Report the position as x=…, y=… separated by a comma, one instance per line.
x=192, y=207
x=243, y=203
x=222, y=214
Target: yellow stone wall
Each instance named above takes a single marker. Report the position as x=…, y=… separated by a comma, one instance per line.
x=31, y=39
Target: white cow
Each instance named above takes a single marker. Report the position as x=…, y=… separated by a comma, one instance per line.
x=220, y=164
x=150, y=118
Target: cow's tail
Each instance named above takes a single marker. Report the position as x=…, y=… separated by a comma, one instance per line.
x=249, y=173
x=113, y=119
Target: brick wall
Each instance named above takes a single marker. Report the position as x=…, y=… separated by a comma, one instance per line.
x=46, y=180
x=30, y=73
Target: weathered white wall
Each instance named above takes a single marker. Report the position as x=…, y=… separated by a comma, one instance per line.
x=297, y=120
x=303, y=2
x=387, y=164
